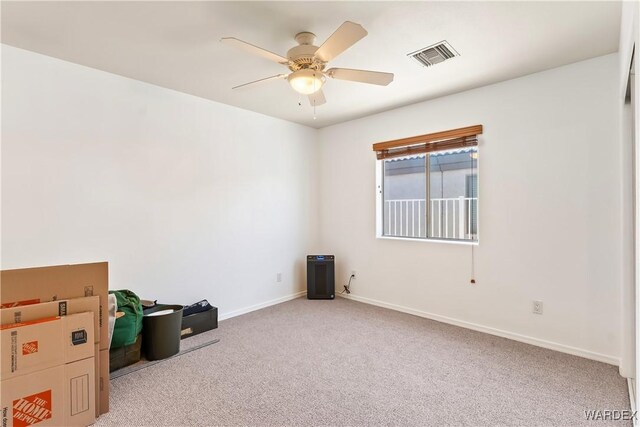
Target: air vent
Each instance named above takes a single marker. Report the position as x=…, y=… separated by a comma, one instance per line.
x=434, y=54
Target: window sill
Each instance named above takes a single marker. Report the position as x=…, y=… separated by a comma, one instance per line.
x=414, y=239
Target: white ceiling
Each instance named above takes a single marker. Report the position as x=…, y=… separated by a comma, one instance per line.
x=176, y=45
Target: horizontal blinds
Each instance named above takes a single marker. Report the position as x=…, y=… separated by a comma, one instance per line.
x=439, y=141
x=410, y=150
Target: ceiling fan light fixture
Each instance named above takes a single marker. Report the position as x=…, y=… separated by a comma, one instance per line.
x=306, y=81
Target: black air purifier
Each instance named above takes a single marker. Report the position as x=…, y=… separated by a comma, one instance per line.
x=320, y=277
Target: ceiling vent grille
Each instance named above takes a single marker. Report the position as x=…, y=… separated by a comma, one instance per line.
x=434, y=54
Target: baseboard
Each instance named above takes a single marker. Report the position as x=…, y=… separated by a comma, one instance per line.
x=632, y=398
x=255, y=307
x=612, y=360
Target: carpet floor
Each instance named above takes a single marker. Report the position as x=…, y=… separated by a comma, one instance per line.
x=346, y=363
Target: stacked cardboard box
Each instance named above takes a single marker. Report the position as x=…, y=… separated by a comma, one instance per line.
x=48, y=372
x=66, y=288
x=35, y=311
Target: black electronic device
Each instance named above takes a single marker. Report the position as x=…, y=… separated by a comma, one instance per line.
x=320, y=277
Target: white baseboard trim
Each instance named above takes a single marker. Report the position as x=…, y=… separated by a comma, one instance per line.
x=632, y=398
x=255, y=307
x=612, y=360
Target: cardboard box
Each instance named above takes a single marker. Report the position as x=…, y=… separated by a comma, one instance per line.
x=198, y=323
x=62, y=395
x=29, y=312
x=34, y=285
x=44, y=343
x=96, y=373
x=104, y=381
x=44, y=284
x=48, y=371
x=25, y=313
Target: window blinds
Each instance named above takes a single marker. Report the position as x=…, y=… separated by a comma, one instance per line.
x=438, y=141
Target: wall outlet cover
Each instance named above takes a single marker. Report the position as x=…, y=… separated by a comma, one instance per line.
x=537, y=307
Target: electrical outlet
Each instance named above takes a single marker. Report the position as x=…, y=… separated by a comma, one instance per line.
x=537, y=307
x=279, y=277
x=353, y=274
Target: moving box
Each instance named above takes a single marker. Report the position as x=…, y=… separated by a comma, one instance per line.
x=44, y=284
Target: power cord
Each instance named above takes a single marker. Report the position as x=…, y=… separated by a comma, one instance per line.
x=348, y=285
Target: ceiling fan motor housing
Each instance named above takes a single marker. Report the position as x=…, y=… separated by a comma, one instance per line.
x=301, y=56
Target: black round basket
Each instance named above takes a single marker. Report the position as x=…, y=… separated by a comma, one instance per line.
x=161, y=332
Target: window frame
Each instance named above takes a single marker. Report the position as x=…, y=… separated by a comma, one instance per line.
x=380, y=216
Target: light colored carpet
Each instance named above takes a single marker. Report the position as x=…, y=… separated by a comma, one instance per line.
x=346, y=363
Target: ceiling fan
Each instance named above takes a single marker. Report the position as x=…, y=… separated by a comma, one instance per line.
x=307, y=62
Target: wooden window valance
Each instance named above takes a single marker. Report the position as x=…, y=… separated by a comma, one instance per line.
x=438, y=141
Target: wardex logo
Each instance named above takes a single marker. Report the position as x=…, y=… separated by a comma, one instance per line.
x=32, y=409
x=29, y=347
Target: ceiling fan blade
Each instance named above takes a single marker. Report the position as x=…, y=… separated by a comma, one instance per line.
x=362, y=76
x=266, y=79
x=317, y=98
x=255, y=50
x=342, y=39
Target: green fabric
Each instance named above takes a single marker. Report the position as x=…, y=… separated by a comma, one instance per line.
x=127, y=327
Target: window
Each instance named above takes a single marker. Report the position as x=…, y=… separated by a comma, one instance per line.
x=429, y=190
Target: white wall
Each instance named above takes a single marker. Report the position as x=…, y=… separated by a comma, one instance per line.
x=186, y=198
x=550, y=191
